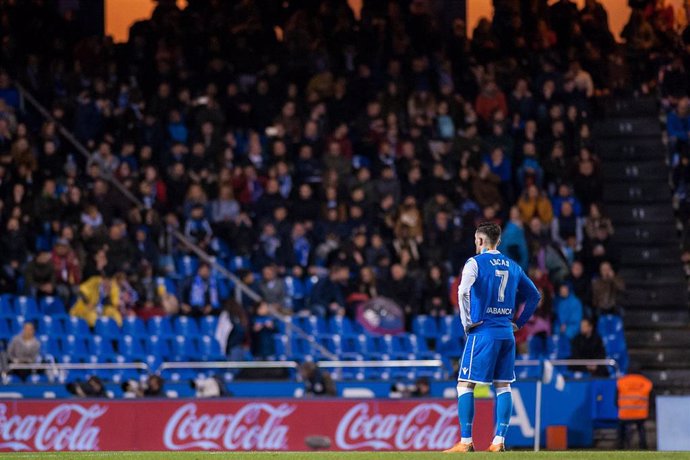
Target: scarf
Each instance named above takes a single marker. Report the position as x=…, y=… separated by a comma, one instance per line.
x=197, y=296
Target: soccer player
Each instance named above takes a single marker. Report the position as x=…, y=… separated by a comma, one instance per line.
x=488, y=296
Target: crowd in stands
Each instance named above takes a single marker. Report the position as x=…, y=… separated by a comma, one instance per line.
x=324, y=159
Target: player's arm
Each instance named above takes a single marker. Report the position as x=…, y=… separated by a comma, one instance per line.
x=469, y=276
x=528, y=291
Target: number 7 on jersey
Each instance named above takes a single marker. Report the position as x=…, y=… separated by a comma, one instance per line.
x=503, y=274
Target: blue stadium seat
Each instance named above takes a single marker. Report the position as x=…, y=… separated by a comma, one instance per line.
x=312, y=325
x=342, y=325
x=52, y=305
x=296, y=292
x=210, y=349
x=184, y=325
x=350, y=373
x=451, y=325
x=77, y=326
x=160, y=326
x=51, y=326
x=609, y=324
x=185, y=348
x=107, y=327
x=281, y=345
x=164, y=283
x=101, y=347
x=7, y=306
x=330, y=342
x=5, y=330
x=353, y=344
x=131, y=348
x=237, y=263
x=425, y=326
x=134, y=326
x=450, y=347
x=378, y=348
x=74, y=346
x=26, y=307
x=50, y=345
x=16, y=323
x=208, y=325
x=159, y=347
x=300, y=348
x=186, y=265
x=401, y=343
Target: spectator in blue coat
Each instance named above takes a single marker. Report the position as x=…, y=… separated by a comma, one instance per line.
x=328, y=296
x=568, y=312
x=263, y=328
x=513, y=242
x=678, y=122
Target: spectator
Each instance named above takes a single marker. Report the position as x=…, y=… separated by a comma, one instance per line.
x=328, y=294
x=24, y=348
x=92, y=388
x=201, y=293
x=98, y=296
x=435, y=292
x=40, y=276
x=588, y=345
x=513, y=242
x=401, y=289
x=606, y=290
x=568, y=309
x=533, y=203
x=263, y=328
x=316, y=382
x=272, y=288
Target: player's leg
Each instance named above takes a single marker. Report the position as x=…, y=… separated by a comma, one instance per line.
x=504, y=375
x=476, y=359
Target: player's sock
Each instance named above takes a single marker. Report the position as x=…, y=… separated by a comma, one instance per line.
x=504, y=409
x=466, y=413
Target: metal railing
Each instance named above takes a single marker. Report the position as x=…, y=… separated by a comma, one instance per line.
x=336, y=364
x=240, y=287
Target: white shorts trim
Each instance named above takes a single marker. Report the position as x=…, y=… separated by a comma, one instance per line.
x=504, y=381
x=473, y=381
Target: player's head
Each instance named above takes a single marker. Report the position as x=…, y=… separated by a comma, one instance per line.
x=487, y=236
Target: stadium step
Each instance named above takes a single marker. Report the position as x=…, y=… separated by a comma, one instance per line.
x=648, y=255
x=655, y=319
x=666, y=358
x=638, y=192
x=637, y=172
x=649, y=234
x=642, y=213
x=640, y=150
x=669, y=380
x=668, y=295
x=659, y=338
x=628, y=128
x=632, y=107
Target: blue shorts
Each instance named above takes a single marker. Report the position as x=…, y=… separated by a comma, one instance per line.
x=486, y=360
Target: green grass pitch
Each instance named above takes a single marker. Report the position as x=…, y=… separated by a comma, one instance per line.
x=574, y=455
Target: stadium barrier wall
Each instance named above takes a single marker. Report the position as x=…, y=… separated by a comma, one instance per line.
x=237, y=425
x=283, y=424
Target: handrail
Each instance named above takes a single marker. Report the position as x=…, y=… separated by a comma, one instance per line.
x=375, y=364
x=229, y=365
x=78, y=366
x=203, y=255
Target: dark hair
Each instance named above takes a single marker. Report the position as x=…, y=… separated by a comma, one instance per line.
x=491, y=230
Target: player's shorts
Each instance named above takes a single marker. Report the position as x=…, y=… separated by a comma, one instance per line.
x=486, y=360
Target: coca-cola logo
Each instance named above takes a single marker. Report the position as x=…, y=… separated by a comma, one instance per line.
x=65, y=427
x=428, y=426
x=255, y=426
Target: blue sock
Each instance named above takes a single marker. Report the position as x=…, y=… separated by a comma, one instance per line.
x=504, y=409
x=466, y=412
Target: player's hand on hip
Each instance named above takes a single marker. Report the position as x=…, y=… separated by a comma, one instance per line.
x=471, y=326
x=515, y=327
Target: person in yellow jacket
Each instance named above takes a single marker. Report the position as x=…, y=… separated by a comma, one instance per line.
x=633, y=407
x=98, y=296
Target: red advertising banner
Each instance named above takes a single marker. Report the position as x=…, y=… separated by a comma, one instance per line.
x=236, y=425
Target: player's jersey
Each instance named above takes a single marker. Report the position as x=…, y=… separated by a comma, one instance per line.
x=488, y=292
